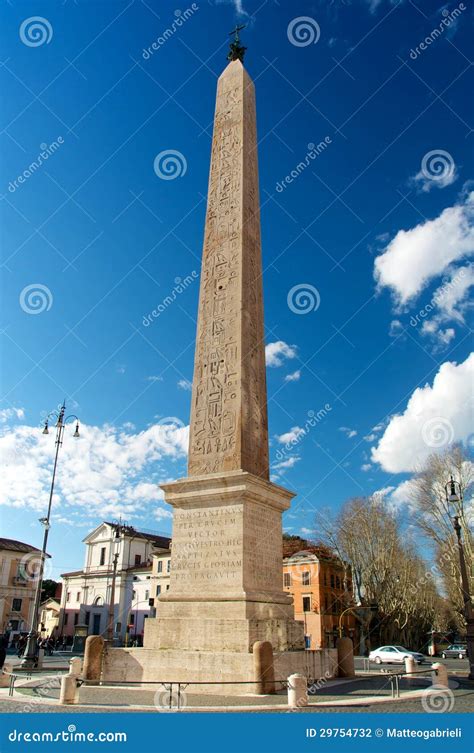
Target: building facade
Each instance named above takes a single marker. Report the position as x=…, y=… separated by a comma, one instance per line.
x=321, y=590
x=19, y=566
x=49, y=618
x=87, y=593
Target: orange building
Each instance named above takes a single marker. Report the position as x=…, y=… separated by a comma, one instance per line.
x=321, y=591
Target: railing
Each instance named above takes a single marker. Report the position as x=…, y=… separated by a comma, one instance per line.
x=27, y=674
x=173, y=687
x=395, y=677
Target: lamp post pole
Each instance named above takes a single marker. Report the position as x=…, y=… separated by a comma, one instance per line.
x=29, y=659
x=119, y=529
x=454, y=495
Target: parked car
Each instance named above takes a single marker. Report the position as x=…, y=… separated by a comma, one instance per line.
x=456, y=650
x=394, y=655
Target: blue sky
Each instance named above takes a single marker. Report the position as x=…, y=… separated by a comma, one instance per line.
x=379, y=224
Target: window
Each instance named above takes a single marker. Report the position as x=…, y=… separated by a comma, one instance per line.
x=305, y=578
x=76, y=618
x=132, y=619
x=66, y=618
x=334, y=606
x=167, y=588
x=102, y=556
x=87, y=618
x=78, y=596
x=68, y=596
x=332, y=580
x=138, y=559
x=168, y=566
x=16, y=605
x=147, y=595
x=306, y=603
x=287, y=580
x=160, y=566
x=338, y=582
x=158, y=590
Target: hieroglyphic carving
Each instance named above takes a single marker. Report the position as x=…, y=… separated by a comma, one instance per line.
x=229, y=413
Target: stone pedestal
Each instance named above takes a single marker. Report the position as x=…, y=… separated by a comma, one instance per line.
x=226, y=574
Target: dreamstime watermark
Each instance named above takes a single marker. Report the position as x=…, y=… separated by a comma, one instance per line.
x=438, y=165
x=314, y=150
x=439, y=297
x=437, y=432
x=64, y=736
x=31, y=568
x=47, y=150
x=180, y=287
x=170, y=164
x=450, y=17
x=435, y=571
x=171, y=422
x=303, y=298
x=180, y=19
x=36, y=298
x=314, y=418
x=303, y=31
x=170, y=699
x=437, y=699
x=36, y=31
x=303, y=567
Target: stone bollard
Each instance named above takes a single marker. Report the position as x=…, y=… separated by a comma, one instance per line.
x=441, y=678
x=263, y=667
x=69, y=693
x=410, y=666
x=297, y=691
x=93, y=654
x=345, y=658
x=5, y=678
x=75, y=665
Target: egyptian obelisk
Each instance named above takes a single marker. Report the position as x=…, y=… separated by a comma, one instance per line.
x=226, y=562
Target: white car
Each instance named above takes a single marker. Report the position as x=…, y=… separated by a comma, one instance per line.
x=394, y=655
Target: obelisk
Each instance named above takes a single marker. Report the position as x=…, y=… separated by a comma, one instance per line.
x=226, y=563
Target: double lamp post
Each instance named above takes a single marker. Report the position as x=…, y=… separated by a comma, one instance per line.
x=30, y=657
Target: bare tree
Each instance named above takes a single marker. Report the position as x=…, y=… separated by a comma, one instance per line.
x=434, y=515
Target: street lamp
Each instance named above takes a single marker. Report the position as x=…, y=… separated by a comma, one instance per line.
x=119, y=529
x=29, y=659
x=454, y=496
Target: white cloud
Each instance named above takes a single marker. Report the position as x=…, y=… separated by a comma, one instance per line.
x=154, y=378
x=285, y=464
x=365, y=467
x=396, y=328
x=294, y=377
x=435, y=417
x=424, y=182
x=401, y=495
x=291, y=436
x=350, y=433
x=8, y=413
x=277, y=352
x=416, y=256
x=384, y=491
x=109, y=470
x=238, y=6
x=185, y=384
x=370, y=437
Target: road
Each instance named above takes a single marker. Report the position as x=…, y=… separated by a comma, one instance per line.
x=453, y=665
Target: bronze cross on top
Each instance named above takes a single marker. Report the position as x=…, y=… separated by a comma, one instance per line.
x=237, y=51
x=236, y=32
